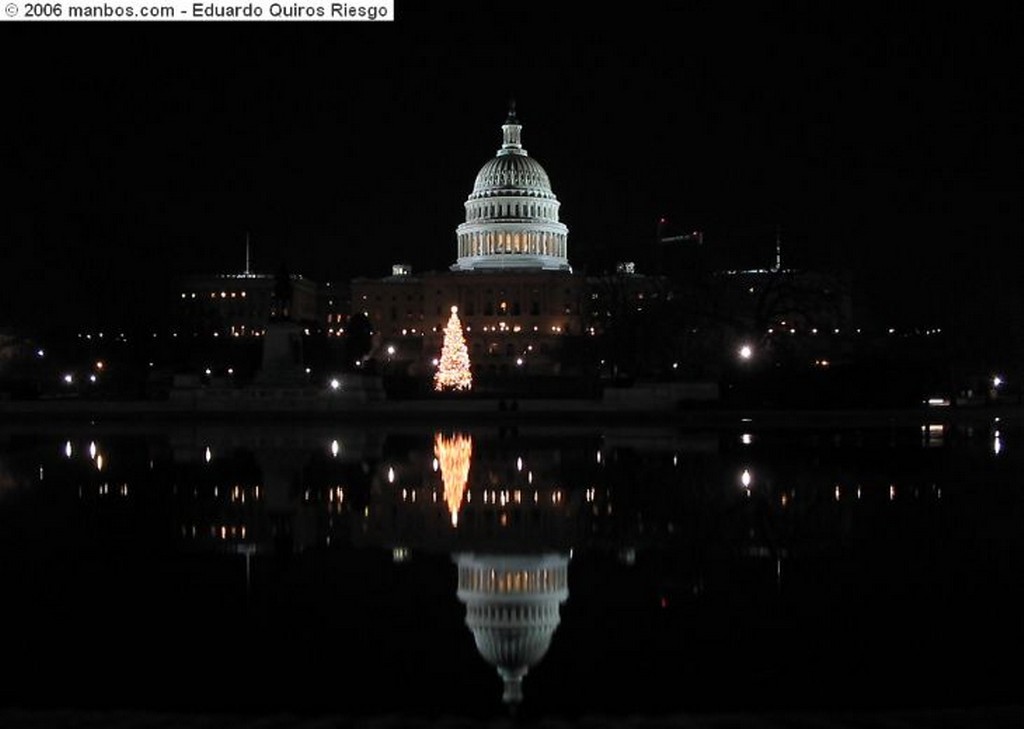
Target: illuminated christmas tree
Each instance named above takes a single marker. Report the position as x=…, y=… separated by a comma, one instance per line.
x=453, y=369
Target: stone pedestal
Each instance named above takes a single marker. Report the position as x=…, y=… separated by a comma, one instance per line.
x=282, y=355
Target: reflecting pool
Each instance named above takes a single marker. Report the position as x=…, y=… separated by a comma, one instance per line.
x=466, y=571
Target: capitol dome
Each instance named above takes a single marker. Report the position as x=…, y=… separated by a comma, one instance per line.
x=512, y=214
x=512, y=609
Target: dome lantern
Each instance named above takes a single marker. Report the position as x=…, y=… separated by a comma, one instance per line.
x=511, y=132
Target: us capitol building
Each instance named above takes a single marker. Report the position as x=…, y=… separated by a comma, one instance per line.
x=523, y=309
x=511, y=281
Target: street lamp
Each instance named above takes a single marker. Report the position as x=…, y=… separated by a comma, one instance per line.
x=746, y=352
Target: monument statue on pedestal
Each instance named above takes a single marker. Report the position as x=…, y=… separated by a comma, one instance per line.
x=282, y=344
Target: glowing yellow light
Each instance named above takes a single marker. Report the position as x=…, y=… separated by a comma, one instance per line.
x=454, y=455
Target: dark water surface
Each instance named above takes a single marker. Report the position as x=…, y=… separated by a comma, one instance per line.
x=626, y=571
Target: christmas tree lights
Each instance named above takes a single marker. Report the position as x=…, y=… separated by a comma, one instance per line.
x=453, y=371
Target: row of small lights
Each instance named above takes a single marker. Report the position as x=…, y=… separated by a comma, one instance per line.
x=814, y=330
x=392, y=476
x=492, y=497
x=335, y=448
x=503, y=327
x=223, y=295
x=746, y=482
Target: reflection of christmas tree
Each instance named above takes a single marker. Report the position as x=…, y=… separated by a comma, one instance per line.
x=453, y=457
x=453, y=369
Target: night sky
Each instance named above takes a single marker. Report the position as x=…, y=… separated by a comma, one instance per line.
x=885, y=143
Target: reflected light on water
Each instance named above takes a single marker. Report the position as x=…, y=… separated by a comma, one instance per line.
x=454, y=454
x=92, y=450
x=668, y=510
x=933, y=434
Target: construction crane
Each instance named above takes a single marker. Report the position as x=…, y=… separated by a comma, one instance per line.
x=695, y=235
x=662, y=239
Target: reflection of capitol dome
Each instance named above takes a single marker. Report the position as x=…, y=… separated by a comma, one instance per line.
x=512, y=214
x=512, y=604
